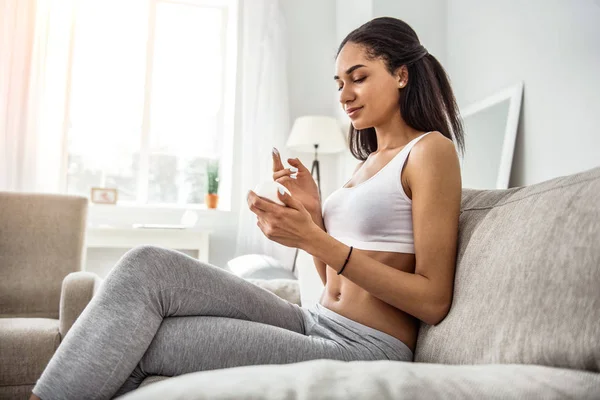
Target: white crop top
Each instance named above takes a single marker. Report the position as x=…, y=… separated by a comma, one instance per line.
x=375, y=214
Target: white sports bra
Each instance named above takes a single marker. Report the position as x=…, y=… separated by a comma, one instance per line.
x=375, y=214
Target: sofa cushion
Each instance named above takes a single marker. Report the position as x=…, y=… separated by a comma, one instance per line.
x=287, y=289
x=330, y=379
x=26, y=346
x=527, y=279
x=153, y=379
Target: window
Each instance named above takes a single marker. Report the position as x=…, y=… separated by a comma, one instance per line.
x=147, y=104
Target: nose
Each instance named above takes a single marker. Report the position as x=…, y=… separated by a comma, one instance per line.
x=346, y=95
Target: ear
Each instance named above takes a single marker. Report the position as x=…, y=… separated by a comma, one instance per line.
x=401, y=75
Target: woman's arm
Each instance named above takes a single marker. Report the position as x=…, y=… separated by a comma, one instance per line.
x=320, y=265
x=436, y=195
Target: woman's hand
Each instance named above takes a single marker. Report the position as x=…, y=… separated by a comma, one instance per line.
x=290, y=225
x=300, y=182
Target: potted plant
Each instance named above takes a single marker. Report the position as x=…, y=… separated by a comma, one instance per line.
x=212, y=174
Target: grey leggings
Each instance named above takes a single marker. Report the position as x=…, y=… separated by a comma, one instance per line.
x=161, y=312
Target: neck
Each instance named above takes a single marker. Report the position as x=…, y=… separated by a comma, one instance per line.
x=394, y=133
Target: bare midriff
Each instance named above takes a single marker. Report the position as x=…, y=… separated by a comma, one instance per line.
x=350, y=300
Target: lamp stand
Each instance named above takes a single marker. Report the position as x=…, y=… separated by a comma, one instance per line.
x=315, y=167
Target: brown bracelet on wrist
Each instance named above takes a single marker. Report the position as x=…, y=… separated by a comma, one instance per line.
x=347, y=258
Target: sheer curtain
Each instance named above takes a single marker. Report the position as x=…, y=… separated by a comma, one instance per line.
x=265, y=116
x=35, y=45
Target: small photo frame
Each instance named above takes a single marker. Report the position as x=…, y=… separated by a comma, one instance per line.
x=103, y=196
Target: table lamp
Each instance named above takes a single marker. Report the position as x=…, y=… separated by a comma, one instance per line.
x=319, y=134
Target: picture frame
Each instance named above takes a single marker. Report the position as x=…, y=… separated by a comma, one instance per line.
x=100, y=195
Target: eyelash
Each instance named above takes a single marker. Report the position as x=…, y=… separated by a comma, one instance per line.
x=356, y=81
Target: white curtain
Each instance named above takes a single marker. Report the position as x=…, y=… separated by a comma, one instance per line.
x=265, y=116
x=35, y=44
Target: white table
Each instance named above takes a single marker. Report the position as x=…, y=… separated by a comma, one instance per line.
x=127, y=238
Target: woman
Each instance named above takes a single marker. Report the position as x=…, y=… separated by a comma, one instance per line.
x=384, y=246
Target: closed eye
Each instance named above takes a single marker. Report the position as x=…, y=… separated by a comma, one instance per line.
x=355, y=81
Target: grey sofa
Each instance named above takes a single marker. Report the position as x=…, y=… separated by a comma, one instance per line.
x=524, y=322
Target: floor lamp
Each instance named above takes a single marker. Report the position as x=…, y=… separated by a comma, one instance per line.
x=315, y=133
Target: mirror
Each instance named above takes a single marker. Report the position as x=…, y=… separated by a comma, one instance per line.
x=490, y=127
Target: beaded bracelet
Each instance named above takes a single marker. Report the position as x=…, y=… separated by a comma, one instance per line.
x=347, y=258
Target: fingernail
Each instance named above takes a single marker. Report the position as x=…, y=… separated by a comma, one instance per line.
x=293, y=169
x=275, y=151
x=281, y=191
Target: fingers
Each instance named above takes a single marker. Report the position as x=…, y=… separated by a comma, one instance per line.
x=295, y=162
x=260, y=206
x=277, y=164
x=291, y=172
x=289, y=200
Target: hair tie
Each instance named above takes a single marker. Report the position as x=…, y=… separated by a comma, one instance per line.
x=424, y=52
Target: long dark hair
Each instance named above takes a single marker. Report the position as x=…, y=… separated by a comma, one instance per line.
x=427, y=102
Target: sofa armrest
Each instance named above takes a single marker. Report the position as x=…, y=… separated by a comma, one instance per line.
x=78, y=288
x=287, y=289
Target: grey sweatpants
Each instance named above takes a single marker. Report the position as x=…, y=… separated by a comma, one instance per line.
x=161, y=312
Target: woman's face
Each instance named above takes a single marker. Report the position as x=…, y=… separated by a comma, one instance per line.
x=368, y=92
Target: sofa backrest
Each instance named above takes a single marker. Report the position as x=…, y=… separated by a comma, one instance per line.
x=527, y=284
x=41, y=241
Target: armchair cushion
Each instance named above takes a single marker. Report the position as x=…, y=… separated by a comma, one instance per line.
x=26, y=346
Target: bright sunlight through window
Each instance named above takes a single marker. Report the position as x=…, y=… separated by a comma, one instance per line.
x=146, y=99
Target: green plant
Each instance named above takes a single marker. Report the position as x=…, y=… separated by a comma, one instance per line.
x=212, y=174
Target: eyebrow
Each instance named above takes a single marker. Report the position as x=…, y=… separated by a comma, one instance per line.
x=349, y=71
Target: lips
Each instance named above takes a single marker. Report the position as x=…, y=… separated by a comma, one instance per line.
x=352, y=111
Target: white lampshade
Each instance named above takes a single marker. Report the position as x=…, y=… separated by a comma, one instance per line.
x=314, y=129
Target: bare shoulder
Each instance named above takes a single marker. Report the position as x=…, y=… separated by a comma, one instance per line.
x=358, y=167
x=434, y=142
x=434, y=154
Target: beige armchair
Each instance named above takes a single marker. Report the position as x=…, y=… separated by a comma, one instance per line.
x=42, y=238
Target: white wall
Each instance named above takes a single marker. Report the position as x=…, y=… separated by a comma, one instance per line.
x=427, y=17
x=554, y=47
